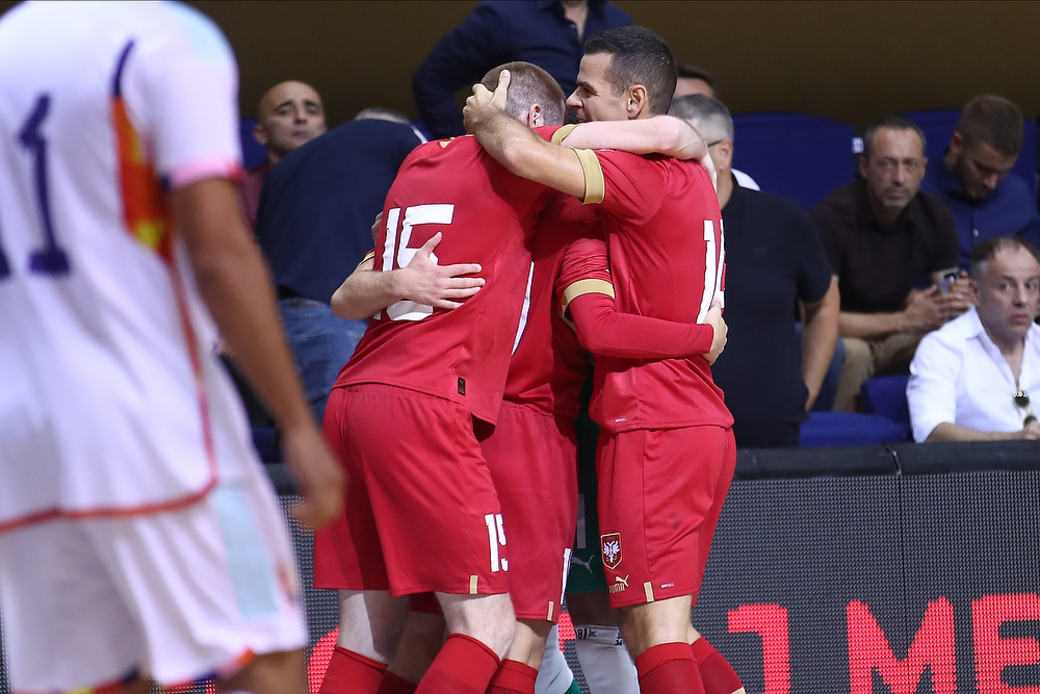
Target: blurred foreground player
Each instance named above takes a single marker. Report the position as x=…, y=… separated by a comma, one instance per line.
x=140, y=538
x=668, y=444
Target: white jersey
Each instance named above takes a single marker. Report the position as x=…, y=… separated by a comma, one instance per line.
x=111, y=399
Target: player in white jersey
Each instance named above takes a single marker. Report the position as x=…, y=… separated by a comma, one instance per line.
x=139, y=536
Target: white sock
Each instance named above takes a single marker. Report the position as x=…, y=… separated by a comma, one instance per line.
x=604, y=660
x=554, y=676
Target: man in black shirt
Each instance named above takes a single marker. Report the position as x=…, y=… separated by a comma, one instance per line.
x=891, y=247
x=314, y=227
x=774, y=262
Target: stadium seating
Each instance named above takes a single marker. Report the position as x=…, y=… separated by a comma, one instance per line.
x=938, y=126
x=794, y=155
x=885, y=396
x=253, y=152
x=851, y=429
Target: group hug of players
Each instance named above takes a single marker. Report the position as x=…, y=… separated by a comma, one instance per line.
x=456, y=427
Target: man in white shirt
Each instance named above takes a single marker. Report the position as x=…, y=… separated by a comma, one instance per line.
x=971, y=380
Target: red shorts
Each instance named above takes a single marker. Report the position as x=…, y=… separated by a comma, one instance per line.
x=534, y=465
x=421, y=512
x=660, y=495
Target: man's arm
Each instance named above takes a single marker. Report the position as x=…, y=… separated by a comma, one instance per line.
x=660, y=134
x=525, y=154
x=819, y=337
x=948, y=431
x=366, y=292
x=603, y=330
x=587, y=296
x=237, y=288
x=925, y=311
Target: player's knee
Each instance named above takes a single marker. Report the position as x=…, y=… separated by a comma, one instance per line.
x=487, y=618
x=529, y=641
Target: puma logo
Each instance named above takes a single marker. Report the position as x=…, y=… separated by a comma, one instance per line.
x=620, y=584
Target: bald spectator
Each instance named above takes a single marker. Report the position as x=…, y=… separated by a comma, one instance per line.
x=774, y=261
x=549, y=34
x=972, y=178
x=289, y=115
x=975, y=379
x=891, y=247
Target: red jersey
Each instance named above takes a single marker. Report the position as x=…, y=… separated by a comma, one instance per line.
x=548, y=366
x=663, y=227
x=485, y=214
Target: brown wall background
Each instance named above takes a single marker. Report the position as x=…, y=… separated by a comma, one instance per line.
x=853, y=61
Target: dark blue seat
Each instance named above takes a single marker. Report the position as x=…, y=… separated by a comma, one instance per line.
x=253, y=153
x=938, y=126
x=851, y=429
x=794, y=155
x=885, y=396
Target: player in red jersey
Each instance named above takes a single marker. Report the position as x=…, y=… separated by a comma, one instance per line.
x=667, y=444
x=425, y=516
x=531, y=454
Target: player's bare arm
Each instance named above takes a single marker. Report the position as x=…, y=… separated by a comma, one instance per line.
x=236, y=286
x=527, y=155
x=660, y=135
x=366, y=292
x=512, y=144
x=818, y=340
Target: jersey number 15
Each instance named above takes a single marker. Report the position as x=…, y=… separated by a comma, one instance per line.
x=396, y=247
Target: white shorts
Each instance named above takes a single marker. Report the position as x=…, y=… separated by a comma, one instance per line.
x=175, y=596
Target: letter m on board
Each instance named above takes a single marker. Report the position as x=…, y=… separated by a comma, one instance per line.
x=933, y=647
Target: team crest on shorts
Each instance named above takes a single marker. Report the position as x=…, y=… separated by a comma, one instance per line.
x=610, y=545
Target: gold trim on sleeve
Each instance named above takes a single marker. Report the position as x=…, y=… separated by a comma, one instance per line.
x=590, y=286
x=595, y=186
x=560, y=135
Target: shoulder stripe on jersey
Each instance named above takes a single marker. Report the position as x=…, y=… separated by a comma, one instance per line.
x=595, y=186
x=588, y=286
x=117, y=79
x=560, y=135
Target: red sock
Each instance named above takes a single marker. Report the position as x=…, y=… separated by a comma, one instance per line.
x=718, y=675
x=463, y=666
x=395, y=684
x=352, y=673
x=668, y=668
x=513, y=677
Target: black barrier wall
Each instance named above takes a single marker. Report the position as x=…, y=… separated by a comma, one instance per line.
x=869, y=580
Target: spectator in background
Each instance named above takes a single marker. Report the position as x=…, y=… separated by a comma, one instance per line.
x=971, y=380
x=314, y=226
x=289, y=115
x=774, y=261
x=693, y=80
x=890, y=246
x=548, y=34
x=972, y=179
